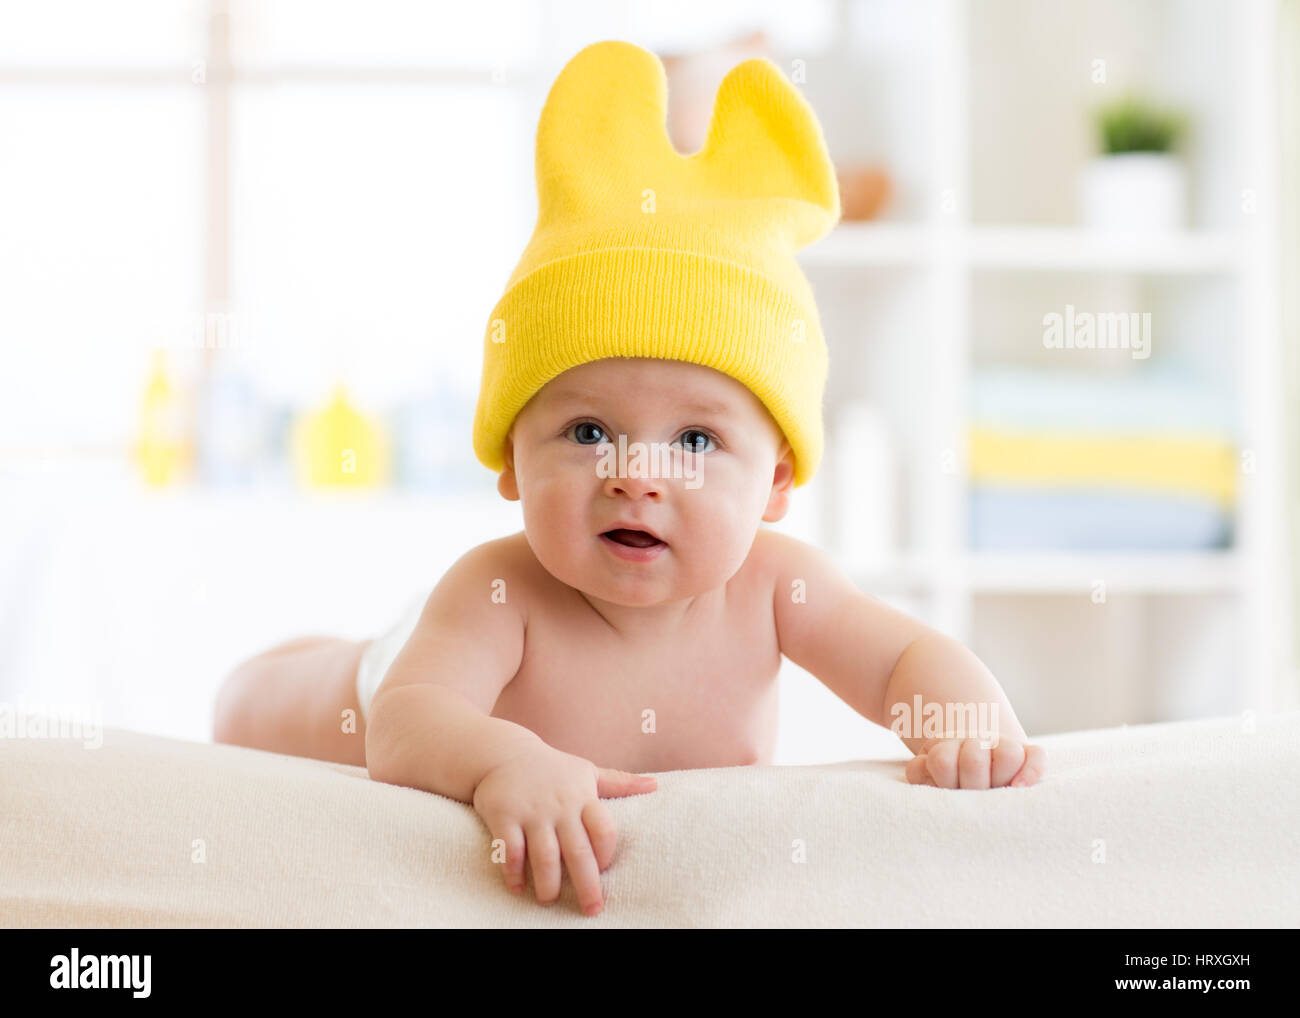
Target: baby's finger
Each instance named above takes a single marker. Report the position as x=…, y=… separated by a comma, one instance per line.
x=941, y=761
x=601, y=830
x=972, y=765
x=1008, y=755
x=611, y=783
x=1032, y=769
x=544, y=855
x=580, y=861
x=916, y=772
x=513, y=868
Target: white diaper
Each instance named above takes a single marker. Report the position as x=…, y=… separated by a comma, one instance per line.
x=378, y=657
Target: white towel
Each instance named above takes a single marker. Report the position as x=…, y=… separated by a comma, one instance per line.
x=1186, y=824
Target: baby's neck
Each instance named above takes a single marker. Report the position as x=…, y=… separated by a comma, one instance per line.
x=654, y=621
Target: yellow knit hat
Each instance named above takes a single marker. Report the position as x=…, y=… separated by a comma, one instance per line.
x=639, y=251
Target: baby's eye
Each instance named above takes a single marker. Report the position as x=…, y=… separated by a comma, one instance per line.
x=694, y=439
x=585, y=428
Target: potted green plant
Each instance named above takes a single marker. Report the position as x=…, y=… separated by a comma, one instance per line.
x=1138, y=182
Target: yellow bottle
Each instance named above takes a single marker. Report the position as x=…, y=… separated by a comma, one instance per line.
x=340, y=447
x=162, y=449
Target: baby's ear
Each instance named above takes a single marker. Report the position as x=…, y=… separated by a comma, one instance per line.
x=507, y=483
x=784, y=474
x=778, y=501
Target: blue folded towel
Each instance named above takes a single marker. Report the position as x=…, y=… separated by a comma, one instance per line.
x=1147, y=402
x=1016, y=518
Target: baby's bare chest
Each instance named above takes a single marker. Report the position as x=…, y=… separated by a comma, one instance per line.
x=706, y=697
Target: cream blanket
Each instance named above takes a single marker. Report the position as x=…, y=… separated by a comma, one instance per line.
x=1184, y=824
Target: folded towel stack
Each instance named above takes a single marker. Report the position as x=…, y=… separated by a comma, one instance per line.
x=1076, y=462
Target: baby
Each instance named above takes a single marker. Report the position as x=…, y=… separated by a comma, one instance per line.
x=638, y=622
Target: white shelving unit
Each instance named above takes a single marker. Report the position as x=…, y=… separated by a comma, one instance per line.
x=1028, y=249
x=1210, y=633
x=978, y=109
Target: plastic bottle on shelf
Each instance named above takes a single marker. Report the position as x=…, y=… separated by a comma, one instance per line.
x=339, y=447
x=431, y=435
x=275, y=469
x=233, y=429
x=163, y=450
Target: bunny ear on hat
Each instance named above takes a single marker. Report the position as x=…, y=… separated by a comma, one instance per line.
x=603, y=139
x=765, y=142
x=602, y=128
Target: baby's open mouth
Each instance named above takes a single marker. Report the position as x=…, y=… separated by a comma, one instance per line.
x=632, y=538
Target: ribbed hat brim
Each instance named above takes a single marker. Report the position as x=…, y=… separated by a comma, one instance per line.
x=673, y=305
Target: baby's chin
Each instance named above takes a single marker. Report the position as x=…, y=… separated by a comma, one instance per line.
x=639, y=586
x=645, y=591
x=632, y=589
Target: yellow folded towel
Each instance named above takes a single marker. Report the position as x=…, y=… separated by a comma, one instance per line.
x=1188, y=466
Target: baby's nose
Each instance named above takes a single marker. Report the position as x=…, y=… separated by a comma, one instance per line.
x=634, y=470
x=635, y=487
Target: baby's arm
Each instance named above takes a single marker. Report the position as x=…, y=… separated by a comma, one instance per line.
x=430, y=728
x=878, y=660
x=429, y=725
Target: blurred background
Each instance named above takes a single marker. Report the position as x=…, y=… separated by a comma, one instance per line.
x=248, y=251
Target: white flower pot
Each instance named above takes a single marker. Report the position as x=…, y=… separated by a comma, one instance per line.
x=1134, y=191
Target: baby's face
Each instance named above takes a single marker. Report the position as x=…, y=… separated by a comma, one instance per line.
x=727, y=467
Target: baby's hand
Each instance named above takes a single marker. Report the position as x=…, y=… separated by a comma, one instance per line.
x=964, y=763
x=552, y=799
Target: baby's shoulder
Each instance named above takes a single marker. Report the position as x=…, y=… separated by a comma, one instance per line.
x=509, y=557
x=483, y=579
x=511, y=563
x=774, y=553
x=771, y=560
x=789, y=564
